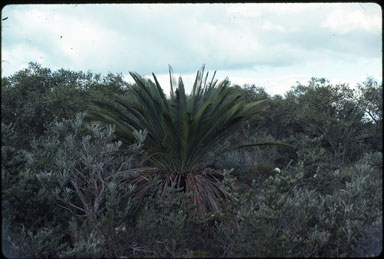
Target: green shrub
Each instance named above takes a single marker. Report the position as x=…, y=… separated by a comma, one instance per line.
x=67, y=174
x=23, y=243
x=89, y=178
x=307, y=209
x=289, y=217
x=29, y=213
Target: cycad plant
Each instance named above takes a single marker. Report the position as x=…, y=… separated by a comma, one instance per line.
x=182, y=129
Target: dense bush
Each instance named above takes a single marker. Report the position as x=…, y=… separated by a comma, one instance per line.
x=287, y=217
x=69, y=178
x=66, y=188
x=34, y=97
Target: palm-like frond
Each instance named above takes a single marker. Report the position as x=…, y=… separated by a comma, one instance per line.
x=183, y=128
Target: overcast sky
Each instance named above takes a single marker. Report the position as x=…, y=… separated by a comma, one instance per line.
x=269, y=45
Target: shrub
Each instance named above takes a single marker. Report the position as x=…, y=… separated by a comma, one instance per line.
x=289, y=217
x=29, y=213
x=83, y=177
x=89, y=179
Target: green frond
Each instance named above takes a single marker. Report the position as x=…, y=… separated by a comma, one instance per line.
x=182, y=128
x=172, y=82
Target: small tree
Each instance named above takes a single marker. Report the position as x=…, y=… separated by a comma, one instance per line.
x=329, y=111
x=89, y=174
x=371, y=101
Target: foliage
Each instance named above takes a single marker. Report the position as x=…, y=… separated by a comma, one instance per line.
x=87, y=177
x=24, y=202
x=35, y=96
x=287, y=217
x=314, y=206
x=23, y=243
x=330, y=111
x=87, y=170
x=370, y=99
x=335, y=113
x=11, y=159
x=181, y=130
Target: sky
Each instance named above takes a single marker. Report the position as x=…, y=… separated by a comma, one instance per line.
x=269, y=45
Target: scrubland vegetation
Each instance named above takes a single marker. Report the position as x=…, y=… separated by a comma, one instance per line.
x=95, y=167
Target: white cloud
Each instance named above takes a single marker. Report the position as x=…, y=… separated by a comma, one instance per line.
x=13, y=59
x=288, y=39
x=273, y=85
x=267, y=25
x=343, y=21
x=63, y=38
x=235, y=11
